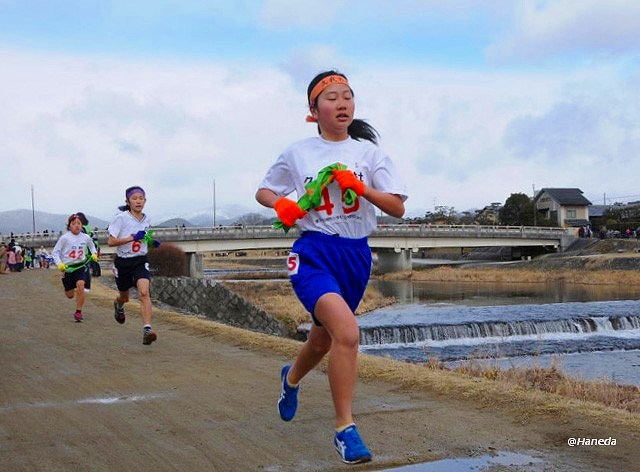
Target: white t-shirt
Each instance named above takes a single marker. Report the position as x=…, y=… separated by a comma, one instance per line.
x=302, y=161
x=72, y=248
x=125, y=224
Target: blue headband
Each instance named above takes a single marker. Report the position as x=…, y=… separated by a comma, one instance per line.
x=133, y=190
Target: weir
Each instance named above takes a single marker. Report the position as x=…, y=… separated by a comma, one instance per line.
x=495, y=329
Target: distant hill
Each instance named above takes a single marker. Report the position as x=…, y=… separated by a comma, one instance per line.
x=173, y=222
x=206, y=220
x=225, y=215
x=21, y=221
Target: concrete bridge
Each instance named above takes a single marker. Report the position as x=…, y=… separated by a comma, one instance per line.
x=393, y=244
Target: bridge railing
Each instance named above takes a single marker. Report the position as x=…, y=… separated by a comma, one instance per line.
x=268, y=232
x=222, y=232
x=476, y=231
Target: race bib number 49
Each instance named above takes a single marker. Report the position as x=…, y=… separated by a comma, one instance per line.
x=293, y=263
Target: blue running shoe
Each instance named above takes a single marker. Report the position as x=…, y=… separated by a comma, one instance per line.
x=288, y=402
x=350, y=446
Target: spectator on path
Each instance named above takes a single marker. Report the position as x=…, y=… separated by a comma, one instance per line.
x=3, y=258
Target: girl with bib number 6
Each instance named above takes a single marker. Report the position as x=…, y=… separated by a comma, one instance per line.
x=128, y=232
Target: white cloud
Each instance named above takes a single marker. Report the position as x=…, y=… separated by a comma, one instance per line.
x=303, y=63
x=82, y=130
x=304, y=14
x=552, y=28
x=93, y=127
x=595, y=120
x=467, y=139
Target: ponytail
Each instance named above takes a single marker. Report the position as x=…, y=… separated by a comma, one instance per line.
x=360, y=129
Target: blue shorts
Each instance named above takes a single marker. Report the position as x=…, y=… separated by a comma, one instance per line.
x=320, y=263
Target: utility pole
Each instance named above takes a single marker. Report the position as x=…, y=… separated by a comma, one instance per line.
x=535, y=207
x=214, y=203
x=33, y=212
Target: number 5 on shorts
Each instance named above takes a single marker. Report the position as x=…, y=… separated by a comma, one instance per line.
x=293, y=262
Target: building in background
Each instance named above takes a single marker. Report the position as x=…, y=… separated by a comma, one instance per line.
x=565, y=206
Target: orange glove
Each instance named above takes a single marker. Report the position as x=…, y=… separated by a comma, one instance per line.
x=288, y=211
x=347, y=179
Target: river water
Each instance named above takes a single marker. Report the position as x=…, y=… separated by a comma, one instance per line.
x=592, y=332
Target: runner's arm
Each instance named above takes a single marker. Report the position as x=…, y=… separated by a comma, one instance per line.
x=267, y=197
x=113, y=241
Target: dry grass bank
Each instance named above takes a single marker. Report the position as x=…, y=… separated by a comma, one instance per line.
x=509, y=274
x=552, y=380
x=278, y=299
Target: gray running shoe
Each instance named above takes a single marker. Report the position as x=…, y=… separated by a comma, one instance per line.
x=148, y=337
x=118, y=312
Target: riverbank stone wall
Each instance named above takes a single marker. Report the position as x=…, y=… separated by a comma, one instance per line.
x=211, y=299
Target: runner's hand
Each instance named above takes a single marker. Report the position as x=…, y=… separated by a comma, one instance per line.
x=288, y=211
x=139, y=235
x=347, y=179
x=94, y=257
x=62, y=266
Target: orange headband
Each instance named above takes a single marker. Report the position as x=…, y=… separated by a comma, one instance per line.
x=320, y=86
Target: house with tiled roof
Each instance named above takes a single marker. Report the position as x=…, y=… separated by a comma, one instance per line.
x=565, y=206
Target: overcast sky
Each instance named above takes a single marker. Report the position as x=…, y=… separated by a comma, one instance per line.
x=474, y=100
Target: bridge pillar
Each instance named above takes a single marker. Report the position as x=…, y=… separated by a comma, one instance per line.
x=393, y=260
x=565, y=241
x=194, y=264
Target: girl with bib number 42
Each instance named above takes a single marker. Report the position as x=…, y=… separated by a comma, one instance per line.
x=127, y=231
x=330, y=262
x=71, y=253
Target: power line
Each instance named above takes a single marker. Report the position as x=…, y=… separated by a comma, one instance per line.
x=623, y=196
x=606, y=198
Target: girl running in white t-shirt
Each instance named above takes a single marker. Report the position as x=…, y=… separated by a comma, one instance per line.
x=330, y=262
x=127, y=232
x=71, y=254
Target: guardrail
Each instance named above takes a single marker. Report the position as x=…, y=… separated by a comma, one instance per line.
x=268, y=232
x=472, y=231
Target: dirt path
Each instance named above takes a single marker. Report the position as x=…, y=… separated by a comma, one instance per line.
x=90, y=396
